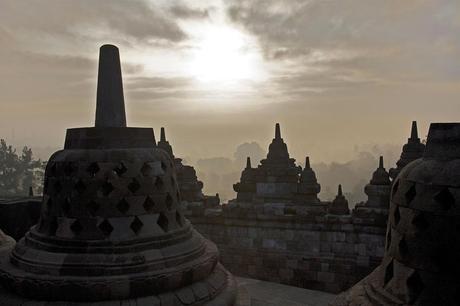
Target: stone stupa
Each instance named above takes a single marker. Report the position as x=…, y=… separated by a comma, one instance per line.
x=420, y=265
x=111, y=231
x=308, y=185
x=339, y=206
x=411, y=151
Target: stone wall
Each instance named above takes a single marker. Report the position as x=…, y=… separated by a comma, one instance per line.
x=17, y=215
x=329, y=253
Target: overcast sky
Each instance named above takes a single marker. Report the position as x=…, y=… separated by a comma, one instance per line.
x=335, y=74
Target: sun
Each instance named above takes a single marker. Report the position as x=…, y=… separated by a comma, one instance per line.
x=225, y=55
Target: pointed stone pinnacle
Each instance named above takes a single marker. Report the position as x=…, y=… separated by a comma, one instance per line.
x=307, y=162
x=277, y=131
x=163, y=134
x=381, y=162
x=339, y=193
x=110, y=104
x=248, y=163
x=414, y=132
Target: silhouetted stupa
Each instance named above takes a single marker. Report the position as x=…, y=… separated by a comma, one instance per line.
x=411, y=151
x=308, y=185
x=339, y=206
x=111, y=231
x=420, y=265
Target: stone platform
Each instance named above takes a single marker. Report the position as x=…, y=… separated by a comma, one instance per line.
x=252, y=292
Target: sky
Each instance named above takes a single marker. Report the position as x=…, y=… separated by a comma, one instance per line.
x=337, y=75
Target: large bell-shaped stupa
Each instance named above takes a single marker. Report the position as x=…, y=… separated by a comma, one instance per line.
x=111, y=231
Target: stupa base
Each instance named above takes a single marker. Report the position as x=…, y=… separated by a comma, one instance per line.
x=217, y=289
x=368, y=292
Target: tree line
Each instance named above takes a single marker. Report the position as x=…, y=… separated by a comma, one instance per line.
x=19, y=171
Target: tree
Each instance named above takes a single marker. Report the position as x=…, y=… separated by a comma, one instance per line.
x=18, y=172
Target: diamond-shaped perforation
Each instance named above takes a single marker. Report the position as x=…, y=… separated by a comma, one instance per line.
x=420, y=221
x=57, y=187
x=106, y=188
x=163, y=222
x=123, y=206
x=445, y=199
x=389, y=272
x=179, y=219
x=403, y=248
x=136, y=225
x=76, y=227
x=164, y=167
x=134, y=186
x=105, y=227
x=169, y=201
x=120, y=169
x=395, y=188
x=80, y=187
x=149, y=204
x=415, y=287
x=146, y=169
x=93, y=207
x=66, y=205
x=397, y=215
x=159, y=183
x=49, y=203
x=410, y=194
x=93, y=169
x=68, y=169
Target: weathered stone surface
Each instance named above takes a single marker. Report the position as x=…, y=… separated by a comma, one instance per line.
x=420, y=266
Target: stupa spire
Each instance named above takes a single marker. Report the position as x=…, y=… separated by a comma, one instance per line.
x=414, y=132
x=381, y=162
x=248, y=163
x=339, y=192
x=277, y=131
x=110, y=105
x=307, y=162
x=163, y=134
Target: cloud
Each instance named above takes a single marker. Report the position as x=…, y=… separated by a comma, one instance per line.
x=185, y=12
x=385, y=40
x=67, y=19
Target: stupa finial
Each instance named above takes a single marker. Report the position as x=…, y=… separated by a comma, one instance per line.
x=414, y=132
x=307, y=162
x=110, y=105
x=339, y=193
x=248, y=163
x=163, y=134
x=381, y=162
x=277, y=131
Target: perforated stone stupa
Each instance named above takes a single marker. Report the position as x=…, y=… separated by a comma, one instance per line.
x=420, y=265
x=111, y=231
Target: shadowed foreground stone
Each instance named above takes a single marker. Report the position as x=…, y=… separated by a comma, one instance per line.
x=6, y=242
x=111, y=231
x=421, y=263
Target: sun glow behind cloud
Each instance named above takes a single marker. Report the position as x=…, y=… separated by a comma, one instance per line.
x=226, y=56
